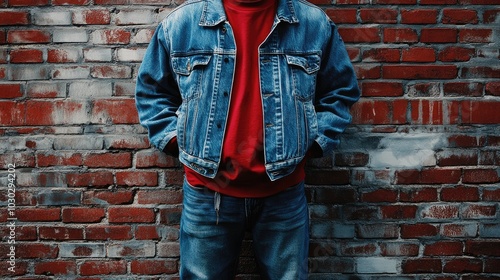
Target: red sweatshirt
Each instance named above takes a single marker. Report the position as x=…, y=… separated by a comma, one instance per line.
x=242, y=172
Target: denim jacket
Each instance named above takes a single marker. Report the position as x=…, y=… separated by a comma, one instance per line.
x=306, y=79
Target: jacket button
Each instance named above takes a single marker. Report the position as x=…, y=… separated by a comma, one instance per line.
x=226, y=60
x=226, y=94
x=224, y=30
x=219, y=125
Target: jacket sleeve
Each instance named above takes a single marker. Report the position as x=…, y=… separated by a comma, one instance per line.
x=336, y=90
x=157, y=95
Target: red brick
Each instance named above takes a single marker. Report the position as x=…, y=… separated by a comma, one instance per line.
x=36, y=251
x=28, y=2
x=459, y=16
x=159, y=197
x=475, y=211
x=107, y=267
x=381, y=55
x=351, y=159
x=60, y=56
x=400, y=35
x=491, y=194
x=483, y=248
x=14, y=18
x=28, y=37
x=428, y=176
x=411, y=72
x=137, y=178
x=399, y=249
x=93, y=17
x=367, y=71
x=26, y=56
x=64, y=268
x=372, y=112
x=112, y=160
x=451, y=54
x=463, y=265
x=60, y=233
x=106, y=111
x=83, y=215
x=421, y=266
x=71, y=2
x=481, y=72
x=355, y=249
x=380, y=195
x=153, y=267
x=476, y=36
x=418, y=54
x=489, y=16
x=438, y=35
x=444, y=248
x=360, y=34
x=63, y=159
x=130, y=215
x=481, y=176
x=492, y=265
x=12, y=113
x=459, y=230
x=460, y=193
x=170, y=216
x=154, y=158
x=111, y=71
x=426, y=112
x=440, y=211
x=418, y=230
x=91, y=179
x=147, y=233
x=342, y=15
x=108, y=232
x=395, y=2
x=108, y=197
x=10, y=91
x=112, y=36
x=419, y=16
x=493, y=88
x=418, y=195
x=381, y=89
x=38, y=214
x=462, y=141
x=398, y=211
x=463, y=89
x=378, y=15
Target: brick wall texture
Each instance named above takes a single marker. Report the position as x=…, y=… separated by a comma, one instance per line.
x=413, y=191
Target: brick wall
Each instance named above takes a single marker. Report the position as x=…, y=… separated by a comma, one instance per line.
x=413, y=191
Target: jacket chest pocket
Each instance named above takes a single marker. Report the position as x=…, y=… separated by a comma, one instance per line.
x=303, y=69
x=190, y=74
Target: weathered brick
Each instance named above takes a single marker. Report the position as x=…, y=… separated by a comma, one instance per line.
x=153, y=267
x=108, y=197
x=111, y=111
x=90, y=179
x=70, y=72
x=52, y=18
x=135, y=16
x=130, y=55
x=70, y=36
x=28, y=37
x=105, y=267
x=10, y=17
x=36, y=251
x=399, y=249
x=422, y=266
x=83, y=215
x=98, y=55
x=26, y=56
x=66, y=55
x=91, y=17
x=444, y=248
x=82, y=250
x=111, y=71
x=110, y=37
x=56, y=198
x=46, y=90
x=60, y=233
x=141, y=249
x=108, y=232
x=131, y=215
x=439, y=211
x=113, y=160
x=64, y=268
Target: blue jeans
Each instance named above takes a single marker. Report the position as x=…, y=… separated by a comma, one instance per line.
x=213, y=227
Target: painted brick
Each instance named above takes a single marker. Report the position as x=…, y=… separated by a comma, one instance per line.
x=63, y=55
x=110, y=111
x=169, y=249
x=377, y=231
x=46, y=90
x=476, y=35
x=141, y=249
x=135, y=16
x=130, y=55
x=52, y=18
x=106, y=72
x=399, y=249
x=124, y=88
x=107, y=37
x=22, y=73
x=78, y=143
x=377, y=265
x=98, y=55
x=56, y=198
x=478, y=211
x=28, y=37
x=90, y=89
x=108, y=197
x=459, y=230
x=91, y=17
x=82, y=250
x=70, y=72
x=438, y=211
x=70, y=36
x=60, y=233
x=127, y=142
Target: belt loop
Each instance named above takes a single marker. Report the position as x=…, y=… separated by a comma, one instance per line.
x=217, y=205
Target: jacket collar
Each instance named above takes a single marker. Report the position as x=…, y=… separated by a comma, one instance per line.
x=213, y=12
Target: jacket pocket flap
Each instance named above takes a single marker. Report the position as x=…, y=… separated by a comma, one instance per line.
x=310, y=63
x=184, y=65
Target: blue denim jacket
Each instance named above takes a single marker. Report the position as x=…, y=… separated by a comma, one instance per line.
x=184, y=84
